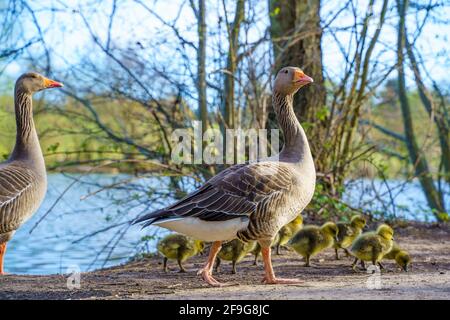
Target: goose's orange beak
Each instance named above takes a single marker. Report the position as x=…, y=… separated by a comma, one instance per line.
x=301, y=78
x=48, y=83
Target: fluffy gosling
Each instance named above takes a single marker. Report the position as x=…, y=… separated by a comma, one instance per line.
x=288, y=231
x=311, y=240
x=401, y=257
x=179, y=247
x=372, y=246
x=348, y=232
x=234, y=251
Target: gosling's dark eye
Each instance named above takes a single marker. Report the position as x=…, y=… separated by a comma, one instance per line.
x=286, y=71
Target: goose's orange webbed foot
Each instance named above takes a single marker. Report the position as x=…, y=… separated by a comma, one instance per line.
x=206, y=271
x=269, y=277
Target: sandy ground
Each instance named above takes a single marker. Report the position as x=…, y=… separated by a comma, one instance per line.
x=429, y=277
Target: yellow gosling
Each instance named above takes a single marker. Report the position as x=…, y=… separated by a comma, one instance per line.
x=179, y=247
x=401, y=257
x=348, y=232
x=234, y=251
x=372, y=246
x=311, y=240
x=288, y=231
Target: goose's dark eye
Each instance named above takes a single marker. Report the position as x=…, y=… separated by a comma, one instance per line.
x=286, y=71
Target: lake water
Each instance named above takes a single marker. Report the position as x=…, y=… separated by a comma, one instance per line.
x=54, y=247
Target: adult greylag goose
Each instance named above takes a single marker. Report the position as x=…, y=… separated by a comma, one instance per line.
x=251, y=201
x=23, y=180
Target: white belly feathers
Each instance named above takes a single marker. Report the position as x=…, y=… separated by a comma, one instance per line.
x=206, y=230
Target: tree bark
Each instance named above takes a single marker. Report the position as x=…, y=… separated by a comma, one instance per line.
x=418, y=160
x=201, y=64
x=296, y=36
x=233, y=46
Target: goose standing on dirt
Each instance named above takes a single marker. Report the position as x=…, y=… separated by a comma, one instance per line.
x=23, y=179
x=251, y=201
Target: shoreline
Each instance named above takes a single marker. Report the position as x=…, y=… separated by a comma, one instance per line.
x=429, y=277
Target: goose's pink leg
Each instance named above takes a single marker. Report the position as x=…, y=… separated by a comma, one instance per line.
x=2, y=254
x=206, y=272
x=269, y=277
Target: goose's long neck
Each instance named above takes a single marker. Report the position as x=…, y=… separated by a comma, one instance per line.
x=296, y=146
x=27, y=146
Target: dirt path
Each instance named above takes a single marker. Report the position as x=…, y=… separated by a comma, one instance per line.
x=329, y=279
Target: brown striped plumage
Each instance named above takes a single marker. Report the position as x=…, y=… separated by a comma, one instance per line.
x=251, y=201
x=23, y=180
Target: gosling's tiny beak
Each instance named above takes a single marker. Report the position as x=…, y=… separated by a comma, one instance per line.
x=301, y=78
x=48, y=83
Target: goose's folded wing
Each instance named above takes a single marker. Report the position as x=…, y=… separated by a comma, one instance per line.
x=15, y=184
x=235, y=192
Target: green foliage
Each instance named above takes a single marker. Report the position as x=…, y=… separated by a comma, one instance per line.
x=7, y=125
x=53, y=147
x=69, y=135
x=148, y=238
x=328, y=206
x=275, y=12
x=388, y=115
x=322, y=113
x=443, y=216
x=307, y=125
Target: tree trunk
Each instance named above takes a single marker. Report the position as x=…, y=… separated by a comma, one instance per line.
x=296, y=36
x=200, y=14
x=416, y=155
x=201, y=64
x=233, y=46
x=438, y=115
